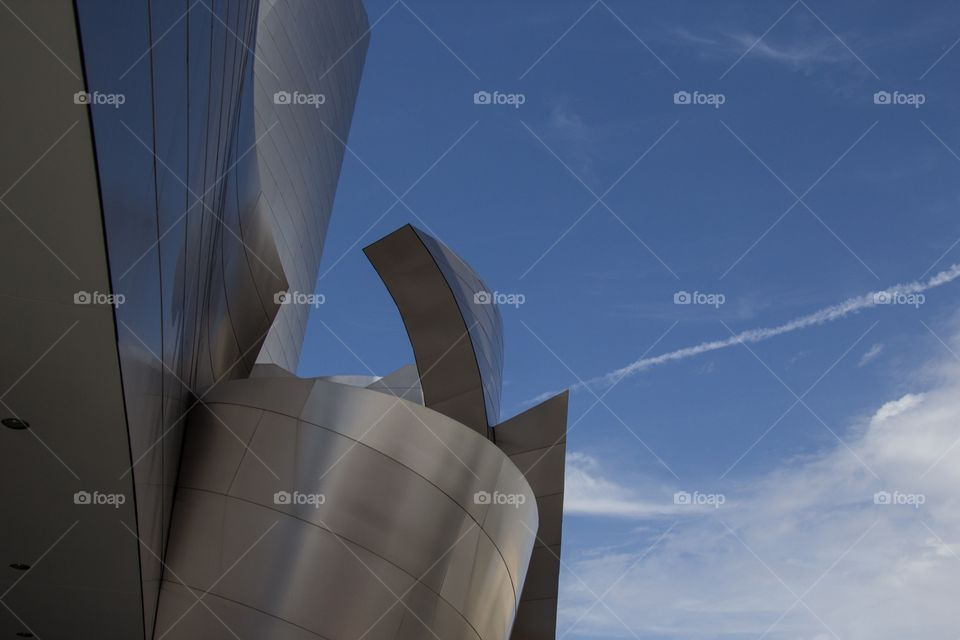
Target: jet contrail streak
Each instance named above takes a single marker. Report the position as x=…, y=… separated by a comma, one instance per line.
x=875, y=298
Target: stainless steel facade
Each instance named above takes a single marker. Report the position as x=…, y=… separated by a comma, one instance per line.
x=188, y=242
x=455, y=330
x=304, y=48
x=399, y=540
x=189, y=203
x=536, y=441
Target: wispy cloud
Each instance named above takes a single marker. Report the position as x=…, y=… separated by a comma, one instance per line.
x=805, y=46
x=587, y=491
x=802, y=54
x=817, y=318
x=871, y=354
x=579, y=139
x=813, y=529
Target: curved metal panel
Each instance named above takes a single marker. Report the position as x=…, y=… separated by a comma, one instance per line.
x=399, y=531
x=403, y=383
x=457, y=343
x=477, y=305
x=536, y=441
x=213, y=197
x=307, y=75
x=189, y=243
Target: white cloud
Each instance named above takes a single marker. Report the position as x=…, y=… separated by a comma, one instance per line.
x=588, y=492
x=871, y=354
x=810, y=529
x=895, y=407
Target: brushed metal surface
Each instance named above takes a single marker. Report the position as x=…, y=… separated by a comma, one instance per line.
x=400, y=546
x=536, y=441
x=301, y=146
x=159, y=200
x=198, y=201
x=188, y=242
x=457, y=344
x=403, y=383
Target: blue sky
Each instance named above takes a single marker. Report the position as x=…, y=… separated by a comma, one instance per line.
x=797, y=193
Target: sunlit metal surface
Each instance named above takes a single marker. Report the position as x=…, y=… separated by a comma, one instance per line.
x=310, y=56
x=157, y=198
x=197, y=202
x=422, y=526
x=188, y=243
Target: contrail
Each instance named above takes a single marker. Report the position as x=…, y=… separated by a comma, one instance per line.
x=823, y=316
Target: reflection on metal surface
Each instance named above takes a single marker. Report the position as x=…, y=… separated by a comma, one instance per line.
x=377, y=500
x=188, y=242
x=300, y=147
x=457, y=342
x=160, y=198
x=357, y=506
x=340, y=493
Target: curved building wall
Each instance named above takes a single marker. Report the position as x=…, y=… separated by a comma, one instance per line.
x=190, y=203
x=211, y=195
x=308, y=52
x=398, y=546
x=481, y=315
x=188, y=245
x=453, y=324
